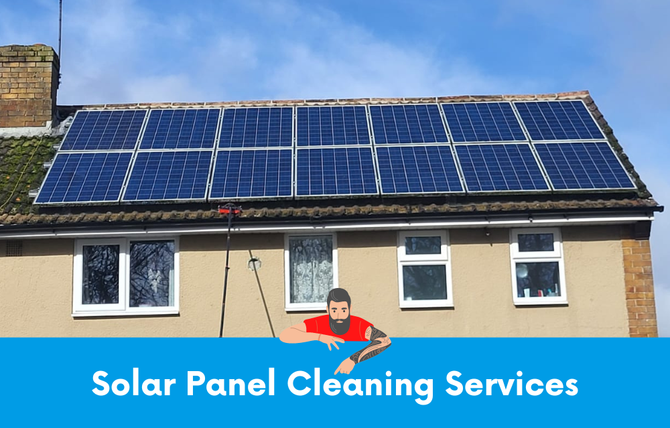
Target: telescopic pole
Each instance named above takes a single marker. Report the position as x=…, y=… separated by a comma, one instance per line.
x=231, y=211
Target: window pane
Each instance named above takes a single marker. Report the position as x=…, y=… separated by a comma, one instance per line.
x=536, y=242
x=423, y=245
x=538, y=279
x=311, y=268
x=151, y=273
x=100, y=276
x=425, y=282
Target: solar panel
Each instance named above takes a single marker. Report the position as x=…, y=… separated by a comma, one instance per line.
x=331, y=126
x=500, y=167
x=558, y=120
x=573, y=166
x=482, y=122
x=252, y=173
x=84, y=178
x=257, y=127
x=335, y=172
x=407, y=124
x=417, y=169
x=169, y=176
x=104, y=130
x=180, y=129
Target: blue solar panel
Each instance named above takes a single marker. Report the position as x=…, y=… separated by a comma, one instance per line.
x=500, y=167
x=573, y=166
x=417, y=169
x=558, y=120
x=180, y=129
x=335, y=172
x=104, y=130
x=84, y=177
x=407, y=124
x=252, y=173
x=329, y=126
x=257, y=127
x=169, y=175
x=482, y=122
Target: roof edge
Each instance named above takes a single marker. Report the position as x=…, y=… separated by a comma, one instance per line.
x=642, y=189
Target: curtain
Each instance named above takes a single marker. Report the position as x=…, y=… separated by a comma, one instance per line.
x=311, y=268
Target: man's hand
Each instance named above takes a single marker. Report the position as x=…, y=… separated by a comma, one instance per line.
x=346, y=366
x=330, y=340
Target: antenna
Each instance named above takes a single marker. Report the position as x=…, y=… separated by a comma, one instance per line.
x=60, y=24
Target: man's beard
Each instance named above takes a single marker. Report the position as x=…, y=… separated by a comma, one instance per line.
x=339, y=328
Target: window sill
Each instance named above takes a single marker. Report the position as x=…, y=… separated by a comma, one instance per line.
x=102, y=314
x=408, y=304
x=540, y=301
x=321, y=307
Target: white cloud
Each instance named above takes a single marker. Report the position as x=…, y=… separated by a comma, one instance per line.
x=334, y=59
x=121, y=51
x=170, y=88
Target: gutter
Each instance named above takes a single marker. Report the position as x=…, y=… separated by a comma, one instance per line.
x=527, y=220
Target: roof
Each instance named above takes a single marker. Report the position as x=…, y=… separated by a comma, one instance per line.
x=22, y=159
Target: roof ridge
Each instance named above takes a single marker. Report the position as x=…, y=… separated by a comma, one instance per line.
x=583, y=94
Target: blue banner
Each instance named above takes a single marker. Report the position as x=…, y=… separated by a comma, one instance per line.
x=227, y=382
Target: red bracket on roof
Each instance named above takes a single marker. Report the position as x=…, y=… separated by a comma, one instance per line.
x=230, y=209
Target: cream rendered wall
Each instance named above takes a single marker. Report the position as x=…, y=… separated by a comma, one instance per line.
x=36, y=289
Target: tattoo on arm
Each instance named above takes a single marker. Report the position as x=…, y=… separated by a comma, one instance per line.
x=378, y=343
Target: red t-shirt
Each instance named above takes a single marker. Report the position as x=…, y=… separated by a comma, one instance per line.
x=356, y=332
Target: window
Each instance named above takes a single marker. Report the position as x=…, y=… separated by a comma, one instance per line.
x=423, y=269
x=126, y=277
x=311, y=270
x=537, y=267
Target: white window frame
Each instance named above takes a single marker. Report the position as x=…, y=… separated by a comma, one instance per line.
x=293, y=307
x=556, y=255
x=123, y=307
x=444, y=258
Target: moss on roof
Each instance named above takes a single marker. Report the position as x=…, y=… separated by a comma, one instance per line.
x=21, y=170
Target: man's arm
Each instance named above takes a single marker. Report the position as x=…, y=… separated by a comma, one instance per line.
x=298, y=334
x=379, y=341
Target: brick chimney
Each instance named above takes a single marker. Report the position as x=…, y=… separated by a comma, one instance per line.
x=28, y=84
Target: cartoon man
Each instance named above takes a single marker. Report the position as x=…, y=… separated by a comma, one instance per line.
x=339, y=326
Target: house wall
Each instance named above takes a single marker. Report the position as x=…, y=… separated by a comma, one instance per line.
x=36, y=289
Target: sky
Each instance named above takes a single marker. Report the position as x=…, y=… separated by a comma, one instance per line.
x=126, y=51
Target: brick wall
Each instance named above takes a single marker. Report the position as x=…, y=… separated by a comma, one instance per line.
x=28, y=84
x=639, y=282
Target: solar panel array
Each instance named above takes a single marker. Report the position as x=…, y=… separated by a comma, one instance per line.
x=174, y=156
x=333, y=152
x=215, y=154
